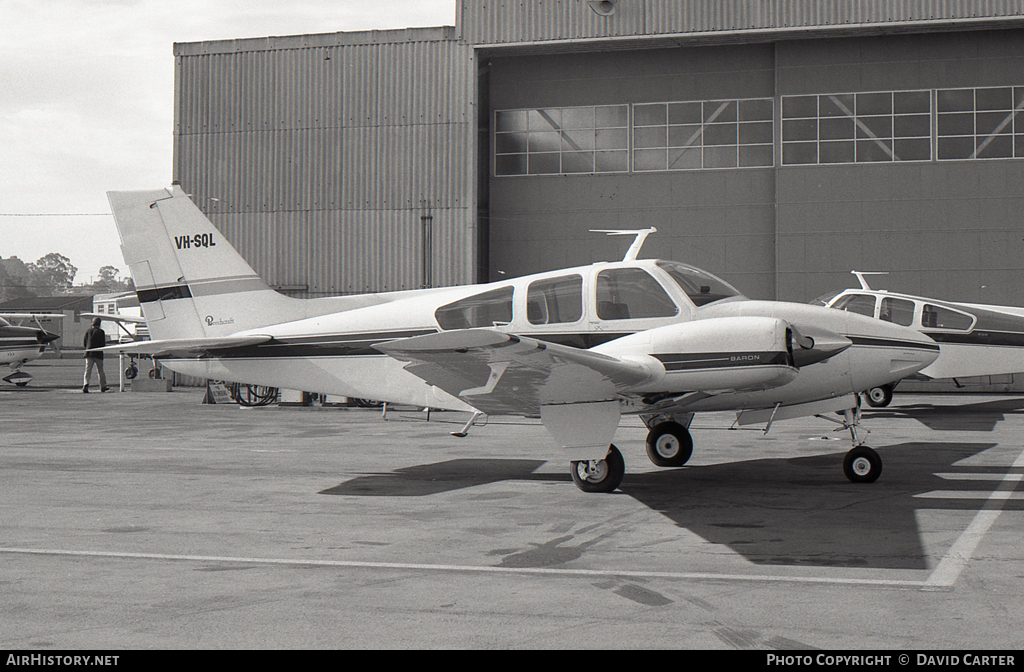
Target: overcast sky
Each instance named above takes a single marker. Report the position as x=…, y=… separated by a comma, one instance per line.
x=87, y=94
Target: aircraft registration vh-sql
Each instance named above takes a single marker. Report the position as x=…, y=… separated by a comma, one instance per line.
x=575, y=347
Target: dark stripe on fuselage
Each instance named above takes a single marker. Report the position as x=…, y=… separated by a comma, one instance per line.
x=719, y=360
x=891, y=343
x=165, y=293
x=993, y=338
x=332, y=345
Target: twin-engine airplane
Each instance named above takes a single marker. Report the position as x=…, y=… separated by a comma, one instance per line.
x=576, y=347
x=20, y=344
x=974, y=339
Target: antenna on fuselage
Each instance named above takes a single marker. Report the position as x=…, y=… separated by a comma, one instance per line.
x=638, y=242
x=864, y=283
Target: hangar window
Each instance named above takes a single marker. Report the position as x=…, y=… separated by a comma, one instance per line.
x=698, y=135
x=560, y=141
x=489, y=309
x=856, y=127
x=983, y=123
x=555, y=301
x=631, y=293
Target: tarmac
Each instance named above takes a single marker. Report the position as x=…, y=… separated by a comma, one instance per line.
x=136, y=521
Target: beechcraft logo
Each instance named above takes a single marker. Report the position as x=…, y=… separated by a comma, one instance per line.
x=197, y=241
x=212, y=322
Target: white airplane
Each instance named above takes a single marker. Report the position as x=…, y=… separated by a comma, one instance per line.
x=576, y=347
x=20, y=344
x=974, y=339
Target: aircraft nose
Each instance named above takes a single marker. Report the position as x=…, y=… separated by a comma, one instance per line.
x=45, y=337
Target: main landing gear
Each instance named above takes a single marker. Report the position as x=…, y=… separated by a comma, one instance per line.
x=599, y=475
x=861, y=464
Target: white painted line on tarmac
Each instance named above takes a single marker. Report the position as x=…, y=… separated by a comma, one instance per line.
x=488, y=569
x=955, y=561
x=970, y=494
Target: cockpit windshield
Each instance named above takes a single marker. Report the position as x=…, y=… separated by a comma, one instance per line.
x=825, y=298
x=702, y=287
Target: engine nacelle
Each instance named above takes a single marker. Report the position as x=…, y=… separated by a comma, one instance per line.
x=725, y=353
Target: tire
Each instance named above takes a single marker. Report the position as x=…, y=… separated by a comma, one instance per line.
x=599, y=475
x=878, y=397
x=669, y=444
x=131, y=372
x=862, y=465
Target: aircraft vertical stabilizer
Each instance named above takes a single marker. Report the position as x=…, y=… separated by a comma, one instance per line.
x=190, y=281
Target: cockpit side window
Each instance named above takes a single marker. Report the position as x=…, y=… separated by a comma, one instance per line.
x=489, y=309
x=897, y=311
x=937, y=317
x=631, y=293
x=555, y=300
x=702, y=288
x=862, y=304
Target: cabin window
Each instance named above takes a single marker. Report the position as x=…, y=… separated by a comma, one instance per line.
x=702, y=288
x=937, y=317
x=555, y=301
x=489, y=309
x=631, y=293
x=897, y=311
x=862, y=304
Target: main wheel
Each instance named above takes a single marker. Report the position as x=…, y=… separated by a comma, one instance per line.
x=879, y=396
x=669, y=444
x=599, y=475
x=862, y=465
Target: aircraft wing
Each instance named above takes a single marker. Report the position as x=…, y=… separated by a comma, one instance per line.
x=29, y=316
x=184, y=347
x=502, y=374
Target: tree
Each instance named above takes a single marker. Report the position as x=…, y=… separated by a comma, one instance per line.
x=53, y=273
x=14, y=278
x=109, y=282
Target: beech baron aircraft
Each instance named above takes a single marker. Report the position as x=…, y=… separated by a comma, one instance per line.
x=974, y=339
x=576, y=347
x=20, y=344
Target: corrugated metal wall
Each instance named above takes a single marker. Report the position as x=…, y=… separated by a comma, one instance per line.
x=318, y=155
x=510, y=21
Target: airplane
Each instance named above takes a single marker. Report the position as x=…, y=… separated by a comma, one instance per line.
x=576, y=347
x=974, y=339
x=20, y=344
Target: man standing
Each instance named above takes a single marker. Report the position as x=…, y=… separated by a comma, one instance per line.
x=94, y=338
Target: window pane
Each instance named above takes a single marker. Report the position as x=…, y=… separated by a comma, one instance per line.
x=938, y=317
x=555, y=301
x=578, y=117
x=918, y=125
x=684, y=113
x=702, y=287
x=801, y=129
x=719, y=110
x=837, y=105
x=799, y=106
x=956, y=148
x=720, y=157
x=483, y=310
x=754, y=156
x=611, y=162
x=999, y=147
x=544, y=164
x=611, y=115
x=650, y=159
x=756, y=133
x=612, y=138
x=720, y=134
x=952, y=100
x=509, y=143
x=649, y=115
x=862, y=304
x=874, y=103
x=510, y=164
x=577, y=162
x=545, y=142
x=631, y=293
x=908, y=102
x=510, y=120
x=651, y=136
x=994, y=99
x=990, y=122
x=874, y=150
x=545, y=120
x=898, y=311
x=799, y=153
x=760, y=109
x=574, y=141
x=685, y=136
x=685, y=159
x=913, y=150
x=956, y=124
x=836, y=152
x=836, y=129
x=879, y=127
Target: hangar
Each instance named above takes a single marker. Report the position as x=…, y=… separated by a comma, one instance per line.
x=777, y=143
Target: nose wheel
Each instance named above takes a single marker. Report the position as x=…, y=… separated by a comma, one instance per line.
x=862, y=465
x=599, y=475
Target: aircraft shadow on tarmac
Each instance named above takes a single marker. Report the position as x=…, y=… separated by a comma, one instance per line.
x=978, y=417
x=796, y=511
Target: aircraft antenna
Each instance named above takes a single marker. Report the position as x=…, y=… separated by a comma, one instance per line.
x=638, y=242
x=864, y=283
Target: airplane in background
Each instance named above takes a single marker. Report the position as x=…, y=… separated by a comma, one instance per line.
x=576, y=347
x=20, y=344
x=974, y=339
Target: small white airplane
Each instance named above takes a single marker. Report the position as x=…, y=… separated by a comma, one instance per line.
x=974, y=339
x=20, y=344
x=576, y=347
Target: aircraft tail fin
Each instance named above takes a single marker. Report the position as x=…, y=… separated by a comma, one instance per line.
x=190, y=281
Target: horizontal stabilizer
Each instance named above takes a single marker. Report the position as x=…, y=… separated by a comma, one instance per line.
x=130, y=319
x=184, y=347
x=500, y=373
